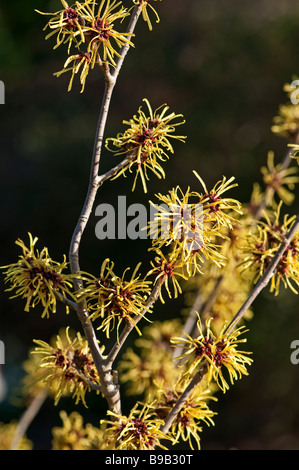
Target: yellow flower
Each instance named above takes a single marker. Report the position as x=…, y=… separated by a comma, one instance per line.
x=146, y=141
x=68, y=366
x=220, y=352
x=255, y=204
x=37, y=278
x=99, y=30
x=138, y=431
x=179, y=217
x=152, y=366
x=185, y=224
x=295, y=154
x=147, y=371
x=80, y=61
x=75, y=435
x=195, y=412
x=32, y=383
x=145, y=5
x=276, y=179
x=261, y=246
x=68, y=24
x=7, y=432
x=167, y=269
x=113, y=298
x=72, y=435
x=97, y=438
x=219, y=208
x=90, y=23
x=285, y=123
x=193, y=224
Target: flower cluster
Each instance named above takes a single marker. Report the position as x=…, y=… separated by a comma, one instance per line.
x=115, y=299
x=192, y=225
x=153, y=372
x=138, y=431
x=67, y=365
x=167, y=270
x=7, y=432
x=194, y=412
x=279, y=180
x=146, y=142
x=37, y=278
x=74, y=435
x=67, y=24
x=152, y=366
x=220, y=352
x=91, y=24
x=262, y=245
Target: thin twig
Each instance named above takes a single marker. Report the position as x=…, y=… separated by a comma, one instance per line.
x=184, y=396
x=130, y=326
x=110, y=390
x=27, y=418
x=89, y=382
x=109, y=174
x=264, y=280
x=68, y=302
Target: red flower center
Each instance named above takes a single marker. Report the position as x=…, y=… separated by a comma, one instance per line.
x=204, y=348
x=140, y=426
x=71, y=16
x=103, y=28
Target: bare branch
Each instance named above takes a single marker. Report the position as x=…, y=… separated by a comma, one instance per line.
x=68, y=302
x=110, y=390
x=27, y=419
x=109, y=174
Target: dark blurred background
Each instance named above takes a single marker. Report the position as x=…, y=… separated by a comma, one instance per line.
x=222, y=65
